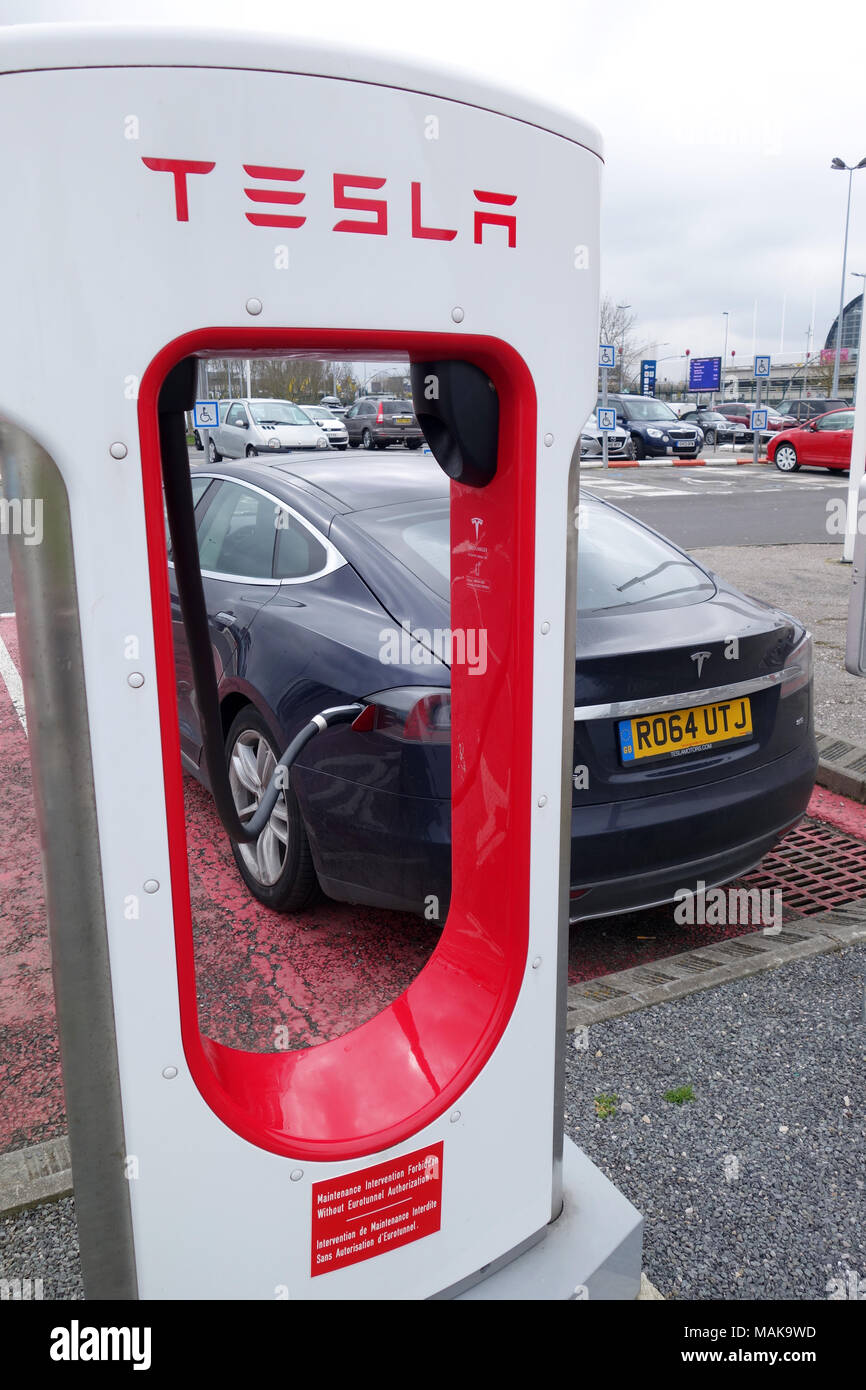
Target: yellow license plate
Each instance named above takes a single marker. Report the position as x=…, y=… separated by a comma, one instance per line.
x=680, y=731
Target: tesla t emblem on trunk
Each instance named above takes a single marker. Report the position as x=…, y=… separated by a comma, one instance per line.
x=699, y=658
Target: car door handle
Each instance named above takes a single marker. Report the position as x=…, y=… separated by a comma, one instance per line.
x=225, y=619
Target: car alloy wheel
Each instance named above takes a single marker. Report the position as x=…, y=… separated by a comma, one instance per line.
x=250, y=452
x=212, y=455
x=367, y=440
x=639, y=447
x=278, y=867
x=786, y=459
x=710, y=439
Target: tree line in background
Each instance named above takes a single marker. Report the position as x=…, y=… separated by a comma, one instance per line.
x=301, y=379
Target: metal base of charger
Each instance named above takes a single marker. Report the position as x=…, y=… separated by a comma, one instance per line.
x=592, y=1251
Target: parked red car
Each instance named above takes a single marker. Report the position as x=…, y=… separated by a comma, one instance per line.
x=823, y=442
x=740, y=413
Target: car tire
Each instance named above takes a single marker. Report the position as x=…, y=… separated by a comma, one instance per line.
x=367, y=440
x=639, y=447
x=785, y=459
x=629, y=451
x=342, y=447
x=250, y=452
x=710, y=439
x=278, y=869
x=353, y=443
x=413, y=444
x=198, y=443
x=212, y=455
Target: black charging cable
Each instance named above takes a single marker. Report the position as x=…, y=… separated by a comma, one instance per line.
x=177, y=390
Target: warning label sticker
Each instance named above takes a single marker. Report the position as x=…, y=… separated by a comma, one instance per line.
x=376, y=1209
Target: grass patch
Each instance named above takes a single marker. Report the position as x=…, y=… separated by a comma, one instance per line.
x=605, y=1105
x=681, y=1094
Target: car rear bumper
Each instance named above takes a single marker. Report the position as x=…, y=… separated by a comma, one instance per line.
x=636, y=854
x=388, y=850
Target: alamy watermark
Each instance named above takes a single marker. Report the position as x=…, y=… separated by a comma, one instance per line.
x=757, y=907
x=22, y=516
x=406, y=646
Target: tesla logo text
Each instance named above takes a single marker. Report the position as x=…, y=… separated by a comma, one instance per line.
x=699, y=658
x=278, y=194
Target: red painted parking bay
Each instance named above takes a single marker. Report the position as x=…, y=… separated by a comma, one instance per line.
x=266, y=980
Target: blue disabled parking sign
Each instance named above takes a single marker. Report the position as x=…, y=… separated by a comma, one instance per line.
x=762, y=367
x=206, y=415
x=759, y=419
x=606, y=418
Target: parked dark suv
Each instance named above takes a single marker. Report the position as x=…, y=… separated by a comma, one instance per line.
x=810, y=406
x=655, y=429
x=377, y=421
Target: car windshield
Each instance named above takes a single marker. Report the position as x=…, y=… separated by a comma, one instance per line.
x=318, y=412
x=707, y=417
x=620, y=565
x=645, y=408
x=278, y=413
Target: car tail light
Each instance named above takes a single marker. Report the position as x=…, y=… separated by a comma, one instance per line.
x=413, y=715
x=380, y=414
x=799, y=664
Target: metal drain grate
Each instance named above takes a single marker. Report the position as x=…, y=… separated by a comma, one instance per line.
x=858, y=765
x=697, y=963
x=787, y=938
x=596, y=990
x=652, y=977
x=815, y=867
x=738, y=948
x=834, y=750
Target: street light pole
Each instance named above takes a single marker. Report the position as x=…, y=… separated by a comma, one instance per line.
x=623, y=307
x=850, y=168
x=726, y=316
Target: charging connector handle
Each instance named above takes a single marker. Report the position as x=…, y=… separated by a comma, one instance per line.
x=339, y=714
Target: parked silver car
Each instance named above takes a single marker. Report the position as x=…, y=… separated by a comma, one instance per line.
x=250, y=427
x=321, y=415
x=619, y=442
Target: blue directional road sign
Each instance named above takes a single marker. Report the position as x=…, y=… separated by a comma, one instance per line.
x=206, y=415
x=606, y=354
x=648, y=377
x=759, y=419
x=606, y=417
x=762, y=366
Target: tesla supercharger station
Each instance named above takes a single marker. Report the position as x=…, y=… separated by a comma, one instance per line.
x=175, y=194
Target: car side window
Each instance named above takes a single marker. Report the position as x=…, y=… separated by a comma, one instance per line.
x=200, y=486
x=842, y=420
x=236, y=415
x=351, y=412
x=299, y=553
x=238, y=533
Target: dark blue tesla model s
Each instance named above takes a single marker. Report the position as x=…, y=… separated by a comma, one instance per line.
x=327, y=580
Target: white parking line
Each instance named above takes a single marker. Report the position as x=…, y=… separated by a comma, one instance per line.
x=12, y=681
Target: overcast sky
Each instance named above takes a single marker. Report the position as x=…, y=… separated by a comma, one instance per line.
x=719, y=123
